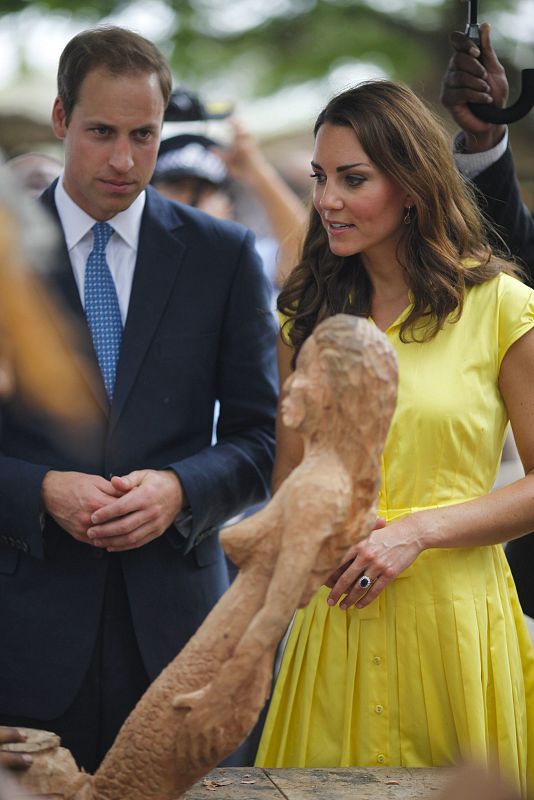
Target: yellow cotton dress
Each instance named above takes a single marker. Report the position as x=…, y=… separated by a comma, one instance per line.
x=440, y=667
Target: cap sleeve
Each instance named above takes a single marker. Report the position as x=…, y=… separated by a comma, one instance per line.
x=516, y=312
x=285, y=327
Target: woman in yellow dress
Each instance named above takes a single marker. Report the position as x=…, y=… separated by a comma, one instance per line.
x=416, y=653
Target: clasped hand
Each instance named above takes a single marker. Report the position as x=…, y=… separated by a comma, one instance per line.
x=382, y=556
x=120, y=514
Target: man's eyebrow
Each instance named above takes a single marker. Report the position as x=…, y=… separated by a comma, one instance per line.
x=99, y=123
x=343, y=167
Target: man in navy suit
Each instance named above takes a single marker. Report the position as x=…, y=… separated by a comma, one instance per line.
x=109, y=555
x=484, y=155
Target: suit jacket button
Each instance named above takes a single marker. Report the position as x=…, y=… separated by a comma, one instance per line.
x=98, y=553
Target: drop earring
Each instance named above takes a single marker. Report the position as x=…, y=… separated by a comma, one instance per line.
x=407, y=218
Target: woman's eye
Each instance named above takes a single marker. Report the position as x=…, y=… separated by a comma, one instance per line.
x=317, y=176
x=354, y=180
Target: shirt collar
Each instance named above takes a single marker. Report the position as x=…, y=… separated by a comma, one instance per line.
x=77, y=223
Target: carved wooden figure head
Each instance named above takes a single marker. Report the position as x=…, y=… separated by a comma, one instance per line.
x=345, y=382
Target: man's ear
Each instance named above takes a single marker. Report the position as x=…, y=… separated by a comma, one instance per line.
x=59, y=122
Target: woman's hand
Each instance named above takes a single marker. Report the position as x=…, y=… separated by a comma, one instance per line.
x=381, y=556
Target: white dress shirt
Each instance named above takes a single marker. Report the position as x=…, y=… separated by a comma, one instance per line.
x=472, y=164
x=121, y=253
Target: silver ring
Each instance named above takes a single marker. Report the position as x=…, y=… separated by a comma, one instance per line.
x=365, y=582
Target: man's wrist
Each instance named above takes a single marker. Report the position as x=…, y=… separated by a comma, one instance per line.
x=45, y=489
x=480, y=142
x=182, y=504
x=473, y=164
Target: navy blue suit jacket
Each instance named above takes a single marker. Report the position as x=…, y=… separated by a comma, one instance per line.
x=198, y=329
x=502, y=204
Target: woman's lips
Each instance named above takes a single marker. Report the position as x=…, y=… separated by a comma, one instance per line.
x=335, y=228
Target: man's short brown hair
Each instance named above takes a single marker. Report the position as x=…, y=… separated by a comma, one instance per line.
x=118, y=50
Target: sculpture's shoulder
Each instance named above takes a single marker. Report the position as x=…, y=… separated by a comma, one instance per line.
x=319, y=486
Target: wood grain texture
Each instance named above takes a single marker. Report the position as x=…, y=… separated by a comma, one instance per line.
x=376, y=783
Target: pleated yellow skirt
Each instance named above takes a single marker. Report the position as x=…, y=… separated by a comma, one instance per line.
x=436, y=671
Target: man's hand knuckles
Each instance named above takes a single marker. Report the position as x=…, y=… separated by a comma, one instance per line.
x=90, y=505
x=155, y=510
x=123, y=528
x=152, y=488
x=81, y=522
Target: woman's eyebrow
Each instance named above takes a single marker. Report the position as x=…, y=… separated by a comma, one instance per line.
x=343, y=167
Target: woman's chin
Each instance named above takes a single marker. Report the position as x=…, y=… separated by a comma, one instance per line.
x=342, y=249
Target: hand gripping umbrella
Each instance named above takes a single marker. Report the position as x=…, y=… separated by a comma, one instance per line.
x=490, y=112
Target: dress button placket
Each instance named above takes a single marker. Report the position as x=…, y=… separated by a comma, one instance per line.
x=377, y=689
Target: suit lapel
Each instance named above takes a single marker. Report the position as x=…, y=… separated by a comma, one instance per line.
x=159, y=258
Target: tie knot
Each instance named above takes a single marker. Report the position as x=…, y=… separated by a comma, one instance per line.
x=102, y=233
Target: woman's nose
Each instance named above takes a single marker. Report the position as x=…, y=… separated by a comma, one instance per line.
x=329, y=197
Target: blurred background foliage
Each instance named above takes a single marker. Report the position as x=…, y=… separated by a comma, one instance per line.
x=292, y=41
x=255, y=48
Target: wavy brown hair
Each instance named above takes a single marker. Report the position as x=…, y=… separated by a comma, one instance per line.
x=407, y=142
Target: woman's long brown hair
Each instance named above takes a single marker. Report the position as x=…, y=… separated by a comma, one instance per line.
x=443, y=249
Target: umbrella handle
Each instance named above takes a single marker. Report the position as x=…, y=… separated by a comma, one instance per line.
x=490, y=112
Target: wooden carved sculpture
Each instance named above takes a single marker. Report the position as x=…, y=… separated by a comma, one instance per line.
x=340, y=398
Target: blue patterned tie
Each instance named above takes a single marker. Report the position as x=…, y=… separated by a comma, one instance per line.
x=102, y=307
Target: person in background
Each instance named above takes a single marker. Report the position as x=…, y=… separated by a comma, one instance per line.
x=483, y=154
x=34, y=171
x=415, y=653
x=109, y=553
x=195, y=169
x=285, y=212
x=190, y=170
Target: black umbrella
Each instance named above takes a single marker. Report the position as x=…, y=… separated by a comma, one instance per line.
x=525, y=101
